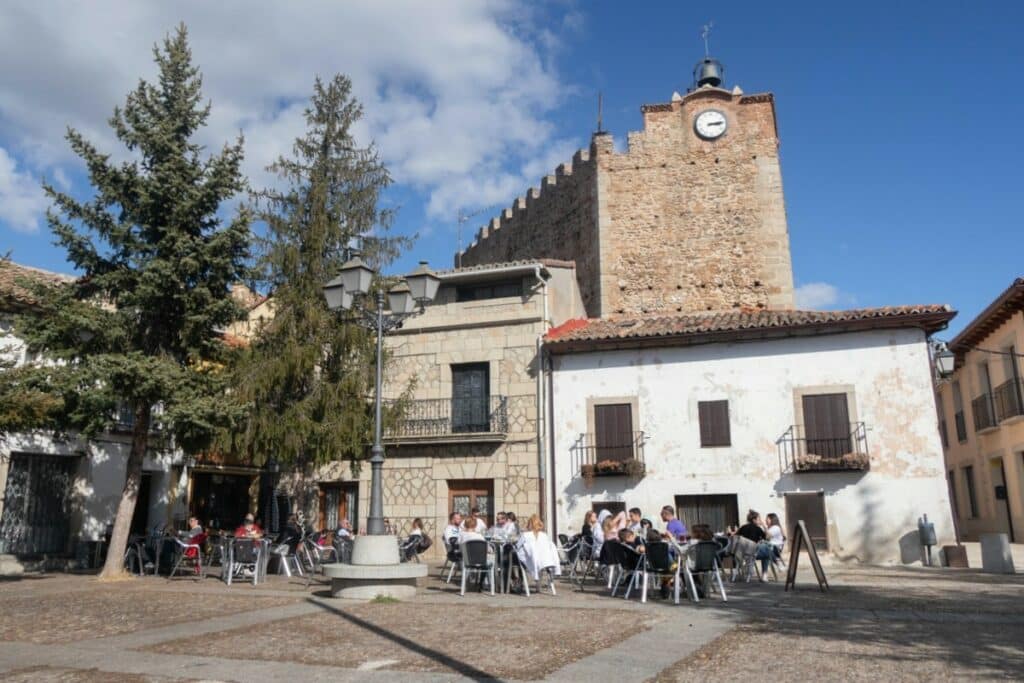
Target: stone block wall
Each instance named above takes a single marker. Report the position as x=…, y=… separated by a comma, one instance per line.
x=673, y=224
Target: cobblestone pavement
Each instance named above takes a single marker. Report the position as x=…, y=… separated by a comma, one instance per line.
x=874, y=623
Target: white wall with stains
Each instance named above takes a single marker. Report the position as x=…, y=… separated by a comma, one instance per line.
x=872, y=515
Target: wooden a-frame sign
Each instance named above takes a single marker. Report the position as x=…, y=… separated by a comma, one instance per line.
x=803, y=539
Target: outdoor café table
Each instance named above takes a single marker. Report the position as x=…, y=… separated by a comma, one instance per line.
x=504, y=547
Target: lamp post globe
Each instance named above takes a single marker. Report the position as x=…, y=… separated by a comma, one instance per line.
x=400, y=299
x=423, y=283
x=356, y=276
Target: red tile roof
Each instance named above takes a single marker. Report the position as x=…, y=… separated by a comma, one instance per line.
x=15, y=280
x=988, y=321
x=737, y=324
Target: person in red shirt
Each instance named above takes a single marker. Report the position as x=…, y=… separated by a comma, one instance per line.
x=249, y=528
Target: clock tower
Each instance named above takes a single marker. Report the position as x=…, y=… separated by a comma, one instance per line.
x=690, y=218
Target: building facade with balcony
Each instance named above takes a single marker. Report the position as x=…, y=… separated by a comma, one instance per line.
x=981, y=420
x=463, y=385
x=820, y=416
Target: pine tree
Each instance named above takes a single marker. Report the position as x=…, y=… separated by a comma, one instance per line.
x=139, y=328
x=305, y=379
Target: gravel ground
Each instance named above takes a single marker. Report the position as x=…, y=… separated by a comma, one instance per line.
x=110, y=609
x=855, y=651
x=49, y=674
x=523, y=643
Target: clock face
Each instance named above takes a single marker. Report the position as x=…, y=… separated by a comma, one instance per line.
x=710, y=124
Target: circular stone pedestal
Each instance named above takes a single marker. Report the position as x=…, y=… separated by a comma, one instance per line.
x=375, y=570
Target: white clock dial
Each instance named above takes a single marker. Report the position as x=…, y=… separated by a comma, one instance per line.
x=710, y=124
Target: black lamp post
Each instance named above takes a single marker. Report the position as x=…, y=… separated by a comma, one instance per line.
x=349, y=292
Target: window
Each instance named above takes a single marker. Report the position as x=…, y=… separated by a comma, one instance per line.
x=714, y=423
x=954, y=503
x=940, y=406
x=490, y=290
x=613, y=431
x=470, y=391
x=972, y=500
x=827, y=425
x=612, y=506
x=958, y=413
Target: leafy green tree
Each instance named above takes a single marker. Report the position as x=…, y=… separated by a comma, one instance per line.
x=140, y=327
x=306, y=376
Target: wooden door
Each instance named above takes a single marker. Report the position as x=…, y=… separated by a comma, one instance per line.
x=466, y=494
x=613, y=432
x=810, y=507
x=470, y=391
x=339, y=501
x=827, y=425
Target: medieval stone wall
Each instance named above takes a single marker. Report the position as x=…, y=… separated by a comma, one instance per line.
x=674, y=224
x=558, y=220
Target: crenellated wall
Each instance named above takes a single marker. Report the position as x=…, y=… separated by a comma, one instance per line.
x=675, y=223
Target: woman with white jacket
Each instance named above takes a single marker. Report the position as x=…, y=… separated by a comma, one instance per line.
x=537, y=552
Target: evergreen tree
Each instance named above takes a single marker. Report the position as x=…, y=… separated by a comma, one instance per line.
x=305, y=379
x=140, y=327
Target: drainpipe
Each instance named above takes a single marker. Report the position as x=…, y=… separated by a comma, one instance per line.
x=541, y=402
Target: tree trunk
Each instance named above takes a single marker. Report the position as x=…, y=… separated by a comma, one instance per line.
x=114, y=566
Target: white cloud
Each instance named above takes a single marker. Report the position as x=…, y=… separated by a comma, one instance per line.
x=22, y=202
x=453, y=91
x=817, y=296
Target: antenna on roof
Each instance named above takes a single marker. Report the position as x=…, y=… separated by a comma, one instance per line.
x=600, y=108
x=462, y=218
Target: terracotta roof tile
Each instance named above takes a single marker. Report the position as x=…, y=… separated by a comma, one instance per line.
x=484, y=267
x=13, y=277
x=741, y=322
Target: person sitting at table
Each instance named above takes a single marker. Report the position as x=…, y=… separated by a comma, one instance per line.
x=481, y=525
x=500, y=525
x=249, y=528
x=291, y=535
x=589, y=521
x=754, y=531
x=632, y=539
x=673, y=527
x=454, y=527
x=776, y=537
x=607, y=526
x=511, y=524
x=635, y=522
x=344, y=530
x=535, y=550
x=469, y=531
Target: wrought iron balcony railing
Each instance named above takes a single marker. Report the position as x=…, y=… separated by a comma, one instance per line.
x=844, y=452
x=592, y=457
x=984, y=411
x=441, y=417
x=1009, y=399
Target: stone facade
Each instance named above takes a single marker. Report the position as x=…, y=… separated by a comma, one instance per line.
x=675, y=223
x=503, y=333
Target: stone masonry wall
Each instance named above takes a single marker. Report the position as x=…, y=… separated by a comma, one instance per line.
x=682, y=224
x=558, y=220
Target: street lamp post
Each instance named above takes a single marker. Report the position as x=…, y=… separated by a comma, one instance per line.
x=349, y=292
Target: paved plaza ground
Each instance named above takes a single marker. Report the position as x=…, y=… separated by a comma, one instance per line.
x=874, y=624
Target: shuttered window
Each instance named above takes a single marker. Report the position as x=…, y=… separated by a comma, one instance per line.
x=714, y=423
x=613, y=431
x=827, y=425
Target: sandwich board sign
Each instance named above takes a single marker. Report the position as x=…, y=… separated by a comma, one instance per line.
x=802, y=540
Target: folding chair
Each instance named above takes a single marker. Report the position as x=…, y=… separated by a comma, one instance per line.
x=452, y=557
x=190, y=553
x=287, y=559
x=658, y=564
x=630, y=568
x=704, y=558
x=475, y=561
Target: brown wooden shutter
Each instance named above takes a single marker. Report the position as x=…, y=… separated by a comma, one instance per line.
x=613, y=431
x=827, y=424
x=714, y=423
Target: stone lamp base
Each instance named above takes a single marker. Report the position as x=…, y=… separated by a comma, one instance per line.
x=375, y=570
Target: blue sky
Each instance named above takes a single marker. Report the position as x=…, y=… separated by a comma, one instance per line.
x=900, y=122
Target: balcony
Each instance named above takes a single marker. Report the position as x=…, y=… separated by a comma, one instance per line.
x=984, y=412
x=625, y=459
x=844, y=453
x=439, y=420
x=1009, y=399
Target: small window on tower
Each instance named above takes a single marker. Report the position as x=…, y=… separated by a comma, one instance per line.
x=489, y=290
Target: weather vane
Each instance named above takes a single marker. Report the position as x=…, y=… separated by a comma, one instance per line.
x=705, y=31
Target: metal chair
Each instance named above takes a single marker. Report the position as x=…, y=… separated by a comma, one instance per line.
x=475, y=561
x=135, y=554
x=629, y=567
x=657, y=563
x=189, y=552
x=453, y=557
x=244, y=553
x=287, y=559
x=704, y=559
x=409, y=549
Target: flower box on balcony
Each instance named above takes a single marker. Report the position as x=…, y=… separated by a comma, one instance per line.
x=849, y=462
x=630, y=467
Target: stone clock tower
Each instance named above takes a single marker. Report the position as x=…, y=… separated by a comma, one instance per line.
x=691, y=217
